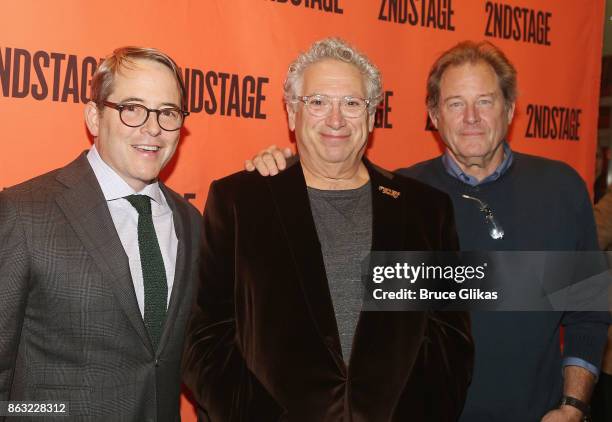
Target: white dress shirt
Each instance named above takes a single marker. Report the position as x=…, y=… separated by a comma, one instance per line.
x=125, y=218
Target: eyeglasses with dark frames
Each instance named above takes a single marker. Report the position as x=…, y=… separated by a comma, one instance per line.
x=136, y=115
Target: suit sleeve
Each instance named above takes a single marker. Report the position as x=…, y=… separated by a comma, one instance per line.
x=448, y=353
x=14, y=283
x=214, y=368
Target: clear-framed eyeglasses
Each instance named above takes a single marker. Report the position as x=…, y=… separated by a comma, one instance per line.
x=320, y=105
x=136, y=115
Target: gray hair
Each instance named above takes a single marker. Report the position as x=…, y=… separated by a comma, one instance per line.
x=336, y=49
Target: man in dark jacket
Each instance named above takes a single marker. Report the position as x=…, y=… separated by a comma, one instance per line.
x=277, y=333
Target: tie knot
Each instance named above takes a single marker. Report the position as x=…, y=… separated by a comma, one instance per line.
x=142, y=203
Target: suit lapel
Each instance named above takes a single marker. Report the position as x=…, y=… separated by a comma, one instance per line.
x=293, y=205
x=388, y=210
x=87, y=212
x=387, y=342
x=388, y=232
x=389, y=220
x=179, y=219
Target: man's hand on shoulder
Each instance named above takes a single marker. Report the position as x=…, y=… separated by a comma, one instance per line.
x=269, y=161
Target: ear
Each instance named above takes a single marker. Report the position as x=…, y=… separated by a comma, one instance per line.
x=510, y=112
x=371, y=121
x=92, y=118
x=291, y=115
x=433, y=115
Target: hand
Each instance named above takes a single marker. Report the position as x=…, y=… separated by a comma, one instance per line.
x=563, y=414
x=269, y=161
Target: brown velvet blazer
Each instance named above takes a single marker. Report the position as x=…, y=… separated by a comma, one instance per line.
x=262, y=342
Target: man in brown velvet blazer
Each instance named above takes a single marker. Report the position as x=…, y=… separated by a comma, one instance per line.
x=277, y=333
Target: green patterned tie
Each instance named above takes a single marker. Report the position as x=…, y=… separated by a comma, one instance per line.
x=153, y=270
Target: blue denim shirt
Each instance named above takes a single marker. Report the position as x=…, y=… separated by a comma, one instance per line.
x=454, y=170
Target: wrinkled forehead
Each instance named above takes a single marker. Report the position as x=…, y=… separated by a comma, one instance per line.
x=141, y=74
x=470, y=76
x=332, y=77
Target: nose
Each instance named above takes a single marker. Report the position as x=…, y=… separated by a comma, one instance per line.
x=471, y=114
x=335, y=119
x=151, y=126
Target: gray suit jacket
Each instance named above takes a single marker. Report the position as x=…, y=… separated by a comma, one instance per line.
x=70, y=327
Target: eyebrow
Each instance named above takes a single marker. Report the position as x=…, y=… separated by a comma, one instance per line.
x=460, y=97
x=140, y=100
x=335, y=96
x=125, y=100
x=454, y=97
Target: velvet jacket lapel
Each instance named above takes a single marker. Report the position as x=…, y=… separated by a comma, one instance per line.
x=291, y=201
x=386, y=344
x=388, y=233
x=388, y=211
x=86, y=210
x=379, y=335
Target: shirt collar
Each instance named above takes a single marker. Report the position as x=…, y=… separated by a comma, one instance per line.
x=113, y=186
x=455, y=171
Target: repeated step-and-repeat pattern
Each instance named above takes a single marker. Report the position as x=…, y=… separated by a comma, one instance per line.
x=234, y=55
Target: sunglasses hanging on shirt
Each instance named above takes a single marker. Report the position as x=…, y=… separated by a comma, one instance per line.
x=495, y=229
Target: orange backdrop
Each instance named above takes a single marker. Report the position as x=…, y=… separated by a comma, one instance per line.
x=235, y=54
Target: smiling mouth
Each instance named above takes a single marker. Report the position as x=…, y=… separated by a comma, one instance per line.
x=333, y=136
x=147, y=148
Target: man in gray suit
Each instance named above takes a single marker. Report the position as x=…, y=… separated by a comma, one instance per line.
x=98, y=259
